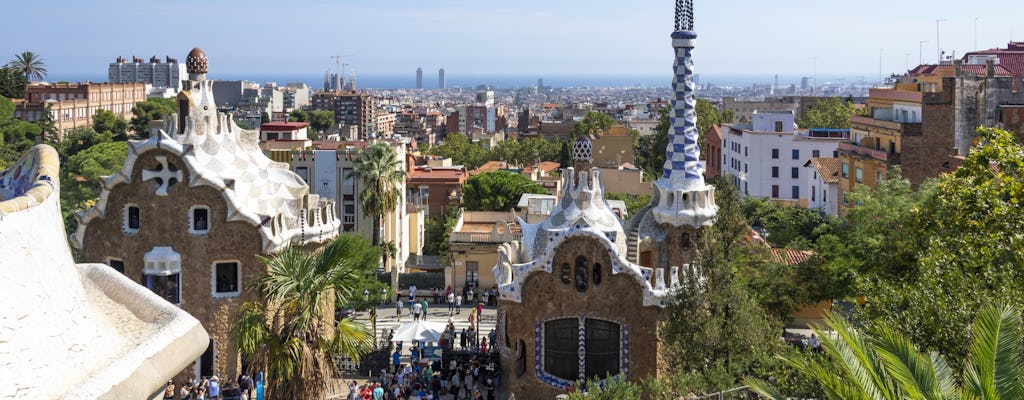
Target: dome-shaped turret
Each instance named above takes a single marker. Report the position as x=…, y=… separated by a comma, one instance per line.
x=582, y=149
x=196, y=62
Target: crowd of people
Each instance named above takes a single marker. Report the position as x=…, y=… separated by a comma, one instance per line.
x=418, y=308
x=211, y=388
x=472, y=375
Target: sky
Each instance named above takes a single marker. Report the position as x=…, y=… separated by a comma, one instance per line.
x=598, y=37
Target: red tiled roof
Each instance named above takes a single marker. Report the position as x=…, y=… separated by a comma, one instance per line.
x=489, y=166
x=436, y=175
x=791, y=257
x=828, y=168
x=283, y=126
x=546, y=166
x=949, y=70
x=1012, y=57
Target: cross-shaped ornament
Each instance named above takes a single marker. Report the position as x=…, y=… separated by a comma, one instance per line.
x=163, y=175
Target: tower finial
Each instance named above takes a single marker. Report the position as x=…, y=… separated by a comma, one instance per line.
x=684, y=15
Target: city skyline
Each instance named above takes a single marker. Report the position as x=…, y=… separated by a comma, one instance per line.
x=527, y=37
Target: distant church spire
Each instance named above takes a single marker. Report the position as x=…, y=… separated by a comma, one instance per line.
x=684, y=199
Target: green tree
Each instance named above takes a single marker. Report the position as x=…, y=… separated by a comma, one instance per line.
x=80, y=177
x=29, y=65
x=883, y=364
x=564, y=157
x=288, y=333
x=321, y=121
x=380, y=170
x=788, y=226
x=829, y=112
x=297, y=116
x=461, y=150
x=712, y=322
x=707, y=115
x=12, y=83
x=105, y=122
x=438, y=229
x=615, y=388
x=633, y=202
x=497, y=190
x=650, y=152
x=150, y=110
x=264, y=118
x=967, y=250
x=594, y=122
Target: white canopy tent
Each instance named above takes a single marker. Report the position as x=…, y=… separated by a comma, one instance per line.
x=422, y=331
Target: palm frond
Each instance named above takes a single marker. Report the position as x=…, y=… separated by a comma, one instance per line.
x=916, y=373
x=993, y=364
x=857, y=360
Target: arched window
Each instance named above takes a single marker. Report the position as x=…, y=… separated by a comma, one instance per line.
x=581, y=274
x=686, y=242
x=565, y=273
x=597, y=274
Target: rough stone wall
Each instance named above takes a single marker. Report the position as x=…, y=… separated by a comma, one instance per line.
x=164, y=222
x=923, y=155
x=671, y=252
x=618, y=298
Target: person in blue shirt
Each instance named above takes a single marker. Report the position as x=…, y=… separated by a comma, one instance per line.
x=214, y=388
x=396, y=359
x=378, y=392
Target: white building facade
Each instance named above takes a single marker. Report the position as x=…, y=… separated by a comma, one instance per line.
x=823, y=181
x=766, y=158
x=168, y=74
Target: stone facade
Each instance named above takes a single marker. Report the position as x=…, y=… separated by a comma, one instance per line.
x=164, y=221
x=192, y=209
x=617, y=298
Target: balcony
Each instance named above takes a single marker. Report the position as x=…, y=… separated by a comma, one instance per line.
x=903, y=128
x=484, y=237
x=853, y=149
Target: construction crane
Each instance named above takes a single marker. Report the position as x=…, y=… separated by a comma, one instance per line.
x=338, y=64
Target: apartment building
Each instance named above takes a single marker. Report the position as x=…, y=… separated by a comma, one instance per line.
x=766, y=157
x=72, y=105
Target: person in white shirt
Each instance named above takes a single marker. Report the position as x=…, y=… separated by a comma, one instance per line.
x=416, y=308
x=451, y=302
x=458, y=304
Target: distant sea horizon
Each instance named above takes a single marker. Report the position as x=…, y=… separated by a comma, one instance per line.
x=512, y=81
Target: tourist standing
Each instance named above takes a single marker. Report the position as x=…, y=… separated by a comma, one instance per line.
x=424, y=309
x=398, y=309
x=416, y=308
x=169, y=390
x=214, y=387
x=451, y=302
x=458, y=304
x=437, y=296
x=412, y=292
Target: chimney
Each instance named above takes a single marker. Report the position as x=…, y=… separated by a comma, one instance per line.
x=990, y=68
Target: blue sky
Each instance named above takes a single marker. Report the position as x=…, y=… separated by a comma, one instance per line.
x=490, y=37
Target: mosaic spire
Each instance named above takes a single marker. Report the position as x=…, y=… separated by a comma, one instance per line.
x=682, y=154
x=683, y=197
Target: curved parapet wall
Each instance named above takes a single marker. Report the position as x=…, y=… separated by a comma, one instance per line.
x=30, y=181
x=75, y=331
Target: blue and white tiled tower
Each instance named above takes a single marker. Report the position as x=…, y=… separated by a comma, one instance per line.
x=683, y=197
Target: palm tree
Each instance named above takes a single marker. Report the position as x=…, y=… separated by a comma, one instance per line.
x=288, y=333
x=381, y=172
x=887, y=366
x=29, y=64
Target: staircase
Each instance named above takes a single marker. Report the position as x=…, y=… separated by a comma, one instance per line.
x=633, y=245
